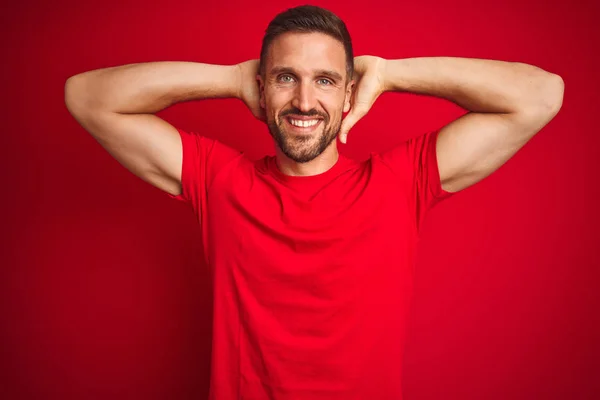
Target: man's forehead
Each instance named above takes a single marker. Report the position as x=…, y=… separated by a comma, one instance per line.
x=314, y=50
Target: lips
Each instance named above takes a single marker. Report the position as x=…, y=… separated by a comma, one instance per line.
x=303, y=124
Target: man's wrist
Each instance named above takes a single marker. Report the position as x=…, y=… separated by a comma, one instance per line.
x=387, y=87
x=393, y=79
x=237, y=81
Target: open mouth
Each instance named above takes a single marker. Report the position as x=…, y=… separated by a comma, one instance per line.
x=303, y=125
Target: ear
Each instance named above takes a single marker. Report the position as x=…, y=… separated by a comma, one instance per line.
x=348, y=96
x=261, y=91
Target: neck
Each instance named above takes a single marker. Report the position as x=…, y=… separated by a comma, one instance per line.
x=320, y=164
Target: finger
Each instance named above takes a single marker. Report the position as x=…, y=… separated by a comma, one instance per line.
x=351, y=119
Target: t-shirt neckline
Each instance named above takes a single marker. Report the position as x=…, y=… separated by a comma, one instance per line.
x=306, y=180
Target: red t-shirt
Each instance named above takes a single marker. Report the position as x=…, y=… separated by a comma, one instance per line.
x=312, y=276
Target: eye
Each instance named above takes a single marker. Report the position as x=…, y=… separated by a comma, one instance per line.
x=324, y=81
x=285, y=78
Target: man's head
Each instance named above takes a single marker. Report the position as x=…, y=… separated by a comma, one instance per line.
x=306, y=68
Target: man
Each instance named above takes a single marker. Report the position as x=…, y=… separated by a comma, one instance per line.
x=311, y=253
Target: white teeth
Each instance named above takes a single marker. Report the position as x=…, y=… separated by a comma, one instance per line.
x=303, y=124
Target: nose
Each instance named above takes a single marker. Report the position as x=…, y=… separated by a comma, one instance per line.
x=304, y=97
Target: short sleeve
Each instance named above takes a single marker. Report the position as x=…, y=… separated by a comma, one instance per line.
x=415, y=164
x=202, y=160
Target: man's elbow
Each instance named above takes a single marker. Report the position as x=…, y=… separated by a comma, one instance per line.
x=557, y=92
x=75, y=95
x=545, y=104
x=71, y=93
x=552, y=93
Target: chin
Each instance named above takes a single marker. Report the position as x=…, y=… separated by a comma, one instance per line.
x=301, y=148
x=307, y=150
x=302, y=157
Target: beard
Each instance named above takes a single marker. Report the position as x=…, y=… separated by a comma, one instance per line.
x=304, y=148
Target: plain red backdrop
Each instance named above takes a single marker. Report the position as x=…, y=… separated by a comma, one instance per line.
x=103, y=293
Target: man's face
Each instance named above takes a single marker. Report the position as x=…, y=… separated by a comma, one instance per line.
x=304, y=93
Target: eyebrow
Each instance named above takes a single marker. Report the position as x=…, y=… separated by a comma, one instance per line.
x=287, y=70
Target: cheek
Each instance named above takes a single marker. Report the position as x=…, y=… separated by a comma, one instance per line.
x=335, y=109
x=276, y=95
x=274, y=102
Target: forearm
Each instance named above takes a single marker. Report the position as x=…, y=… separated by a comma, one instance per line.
x=477, y=85
x=150, y=87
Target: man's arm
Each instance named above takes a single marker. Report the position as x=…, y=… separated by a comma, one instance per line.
x=116, y=106
x=508, y=103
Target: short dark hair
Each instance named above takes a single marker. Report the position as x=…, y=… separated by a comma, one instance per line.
x=308, y=19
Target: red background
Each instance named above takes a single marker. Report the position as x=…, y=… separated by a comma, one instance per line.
x=102, y=290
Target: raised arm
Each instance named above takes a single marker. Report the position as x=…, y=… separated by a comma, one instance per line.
x=509, y=102
x=116, y=106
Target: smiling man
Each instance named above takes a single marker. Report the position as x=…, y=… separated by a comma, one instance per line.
x=310, y=252
x=305, y=86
